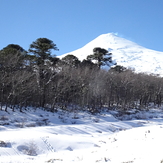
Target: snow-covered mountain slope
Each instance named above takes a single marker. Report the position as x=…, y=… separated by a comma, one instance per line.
x=125, y=53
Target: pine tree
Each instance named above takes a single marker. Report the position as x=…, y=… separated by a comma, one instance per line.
x=101, y=57
x=41, y=48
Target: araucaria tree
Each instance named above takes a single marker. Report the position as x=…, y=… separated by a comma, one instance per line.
x=42, y=49
x=101, y=57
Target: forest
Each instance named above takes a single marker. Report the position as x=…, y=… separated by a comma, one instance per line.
x=37, y=78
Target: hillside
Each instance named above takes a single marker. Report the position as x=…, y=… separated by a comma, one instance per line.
x=125, y=53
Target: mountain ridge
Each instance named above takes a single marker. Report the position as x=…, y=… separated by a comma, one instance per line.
x=125, y=53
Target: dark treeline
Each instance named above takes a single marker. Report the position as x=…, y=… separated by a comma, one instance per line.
x=39, y=79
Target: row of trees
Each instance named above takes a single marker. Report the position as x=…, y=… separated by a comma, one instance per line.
x=39, y=79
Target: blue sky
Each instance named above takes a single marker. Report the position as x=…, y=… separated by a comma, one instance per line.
x=71, y=24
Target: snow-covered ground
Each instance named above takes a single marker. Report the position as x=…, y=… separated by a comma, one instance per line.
x=38, y=136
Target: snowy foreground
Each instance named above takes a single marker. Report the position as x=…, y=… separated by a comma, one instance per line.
x=44, y=137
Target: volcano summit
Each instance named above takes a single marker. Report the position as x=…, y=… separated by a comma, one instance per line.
x=125, y=53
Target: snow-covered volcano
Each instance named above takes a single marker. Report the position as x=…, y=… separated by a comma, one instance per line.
x=125, y=53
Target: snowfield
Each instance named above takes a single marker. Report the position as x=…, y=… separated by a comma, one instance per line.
x=38, y=136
